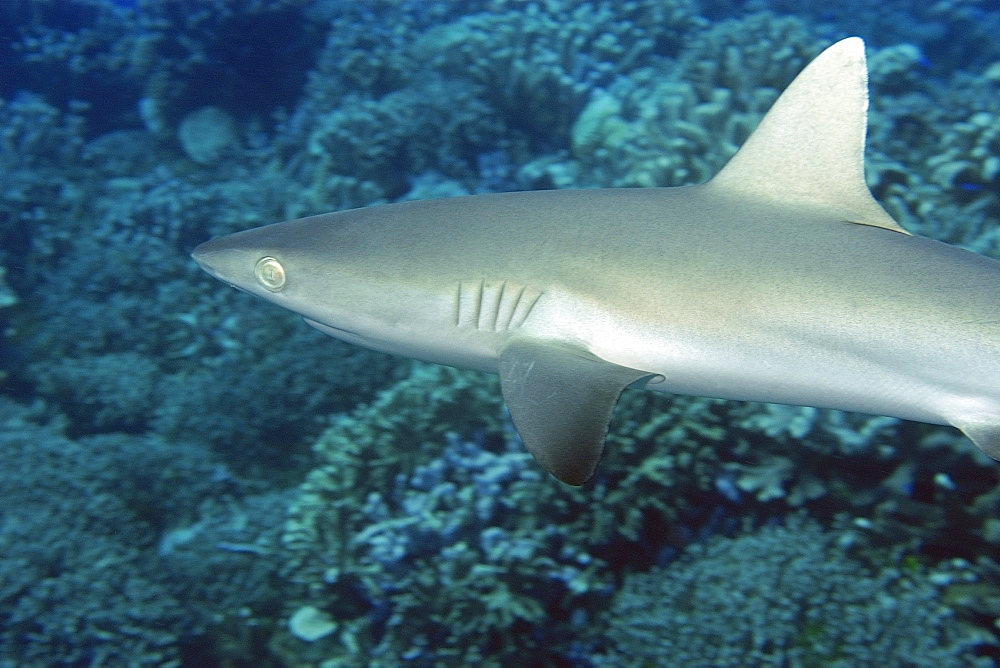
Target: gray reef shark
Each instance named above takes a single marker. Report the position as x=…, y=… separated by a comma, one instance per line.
x=780, y=280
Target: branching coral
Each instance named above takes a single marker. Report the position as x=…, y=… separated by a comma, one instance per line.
x=787, y=595
x=538, y=62
x=678, y=124
x=420, y=543
x=85, y=579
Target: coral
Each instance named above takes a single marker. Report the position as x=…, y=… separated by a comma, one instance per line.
x=64, y=533
x=83, y=53
x=767, y=478
x=100, y=609
x=954, y=33
x=38, y=147
x=371, y=545
x=95, y=572
x=759, y=50
x=8, y=297
x=677, y=124
x=207, y=134
x=422, y=543
x=34, y=134
x=259, y=403
x=538, y=62
x=174, y=56
x=648, y=130
x=534, y=64
x=221, y=562
x=310, y=624
x=896, y=68
x=366, y=50
x=787, y=595
x=390, y=140
x=113, y=392
x=829, y=431
x=955, y=195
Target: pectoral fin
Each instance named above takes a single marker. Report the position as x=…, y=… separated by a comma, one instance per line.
x=561, y=399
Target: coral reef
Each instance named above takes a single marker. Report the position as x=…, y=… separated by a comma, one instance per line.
x=414, y=538
x=161, y=60
x=788, y=596
x=406, y=530
x=405, y=133
x=953, y=195
x=88, y=578
x=677, y=123
x=545, y=57
x=162, y=505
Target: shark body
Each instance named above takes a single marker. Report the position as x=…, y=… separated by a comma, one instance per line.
x=780, y=280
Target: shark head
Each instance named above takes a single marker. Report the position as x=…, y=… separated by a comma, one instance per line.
x=350, y=276
x=290, y=265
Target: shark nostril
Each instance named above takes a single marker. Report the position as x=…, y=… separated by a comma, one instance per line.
x=270, y=274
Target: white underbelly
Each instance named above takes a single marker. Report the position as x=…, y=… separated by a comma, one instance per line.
x=796, y=374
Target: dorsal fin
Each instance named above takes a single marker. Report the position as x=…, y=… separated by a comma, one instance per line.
x=810, y=146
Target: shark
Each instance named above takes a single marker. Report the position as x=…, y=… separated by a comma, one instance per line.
x=779, y=280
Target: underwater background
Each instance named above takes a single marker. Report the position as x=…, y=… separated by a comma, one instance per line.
x=192, y=477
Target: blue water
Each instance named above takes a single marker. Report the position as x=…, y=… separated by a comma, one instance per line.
x=194, y=477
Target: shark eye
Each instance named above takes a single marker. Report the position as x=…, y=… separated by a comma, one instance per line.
x=270, y=274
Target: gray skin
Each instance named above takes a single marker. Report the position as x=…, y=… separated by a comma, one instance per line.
x=781, y=280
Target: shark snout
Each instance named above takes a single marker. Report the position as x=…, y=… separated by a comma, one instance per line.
x=203, y=252
x=220, y=259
